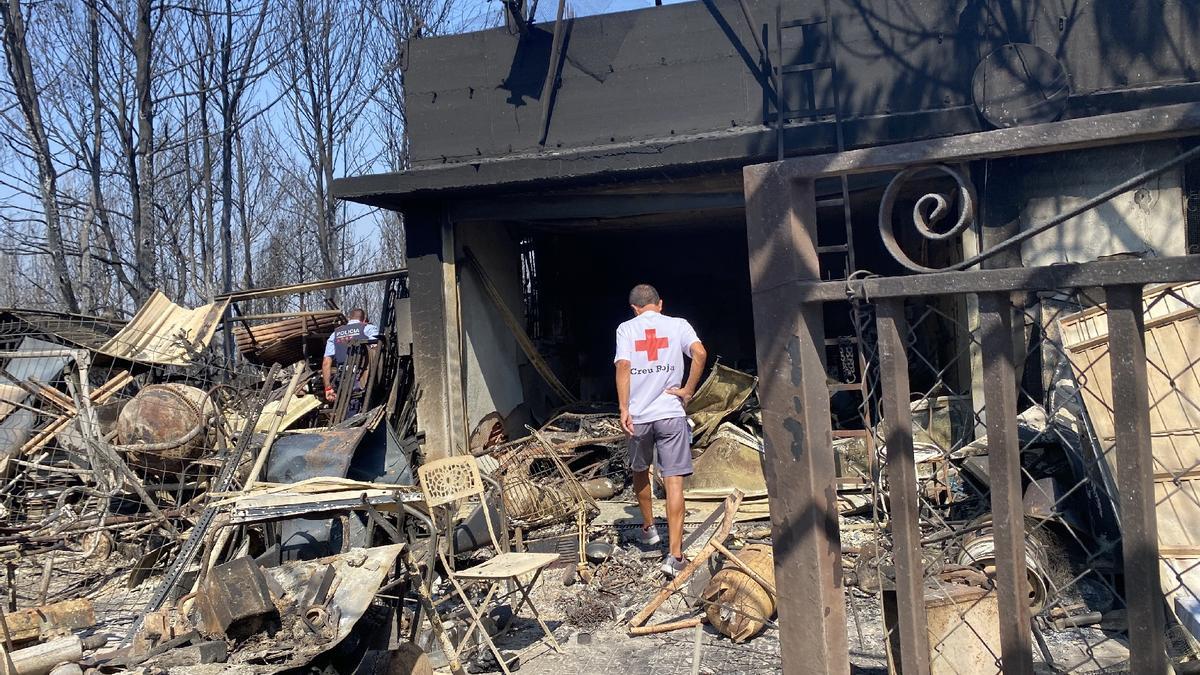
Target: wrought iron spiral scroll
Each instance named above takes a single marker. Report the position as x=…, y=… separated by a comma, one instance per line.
x=929, y=210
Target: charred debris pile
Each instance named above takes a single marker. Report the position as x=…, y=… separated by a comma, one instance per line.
x=161, y=510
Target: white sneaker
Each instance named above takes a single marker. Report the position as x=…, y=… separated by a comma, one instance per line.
x=672, y=566
x=649, y=537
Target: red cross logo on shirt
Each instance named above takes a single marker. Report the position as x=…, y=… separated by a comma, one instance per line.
x=651, y=344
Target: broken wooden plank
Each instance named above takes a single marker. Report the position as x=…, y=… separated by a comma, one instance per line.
x=312, y=286
x=721, y=534
x=41, y=659
x=218, y=547
x=98, y=396
x=737, y=562
x=665, y=627
x=425, y=603
x=38, y=622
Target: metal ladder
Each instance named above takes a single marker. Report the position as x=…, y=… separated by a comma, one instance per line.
x=783, y=115
x=845, y=248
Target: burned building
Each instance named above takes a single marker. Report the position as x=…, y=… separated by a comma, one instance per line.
x=627, y=165
x=556, y=163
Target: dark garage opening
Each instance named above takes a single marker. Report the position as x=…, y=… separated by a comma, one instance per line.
x=578, y=291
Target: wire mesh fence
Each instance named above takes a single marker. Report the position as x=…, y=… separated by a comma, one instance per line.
x=111, y=463
x=1077, y=584
x=105, y=458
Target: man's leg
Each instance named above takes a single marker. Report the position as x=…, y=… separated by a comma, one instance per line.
x=674, y=486
x=641, y=454
x=356, y=400
x=641, y=487
x=673, y=439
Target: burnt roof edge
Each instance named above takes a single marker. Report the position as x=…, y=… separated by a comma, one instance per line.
x=681, y=156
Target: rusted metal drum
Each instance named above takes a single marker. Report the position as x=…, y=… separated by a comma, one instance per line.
x=979, y=550
x=739, y=606
x=165, y=426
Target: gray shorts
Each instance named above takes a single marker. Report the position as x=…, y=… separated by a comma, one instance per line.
x=673, y=439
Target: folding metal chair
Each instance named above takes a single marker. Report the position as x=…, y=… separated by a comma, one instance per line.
x=445, y=481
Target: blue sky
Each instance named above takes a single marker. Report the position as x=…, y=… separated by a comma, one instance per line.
x=547, y=8
x=590, y=7
x=472, y=15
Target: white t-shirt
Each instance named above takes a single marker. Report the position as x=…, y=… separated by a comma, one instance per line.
x=654, y=346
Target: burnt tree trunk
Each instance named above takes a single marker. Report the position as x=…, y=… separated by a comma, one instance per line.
x=92, y=154
x=20, y=69
x=143, y=218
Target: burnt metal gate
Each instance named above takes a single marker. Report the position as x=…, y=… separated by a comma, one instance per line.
x=789, y=299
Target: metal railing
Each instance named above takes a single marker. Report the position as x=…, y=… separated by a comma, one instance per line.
x=1122, y=465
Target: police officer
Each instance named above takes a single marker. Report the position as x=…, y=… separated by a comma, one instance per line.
x=337, y=349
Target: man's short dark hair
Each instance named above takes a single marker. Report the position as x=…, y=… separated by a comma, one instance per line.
x=642, y=295
x=358, y=314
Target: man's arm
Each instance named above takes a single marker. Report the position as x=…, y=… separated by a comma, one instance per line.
x=327, y=377
x=327, y=369
x=699, y=356
x=623, y=395
x=699, y=359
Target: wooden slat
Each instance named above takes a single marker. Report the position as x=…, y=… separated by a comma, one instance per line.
x=99, y=395
x=527, y=346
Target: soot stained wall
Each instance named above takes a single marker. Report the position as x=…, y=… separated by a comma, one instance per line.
x=694, y=68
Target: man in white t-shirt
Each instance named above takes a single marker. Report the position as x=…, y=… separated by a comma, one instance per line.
x=649, y=363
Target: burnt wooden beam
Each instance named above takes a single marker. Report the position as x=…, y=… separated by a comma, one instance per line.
x=1135, y=478
x=311, y=286
x=801, y=472
x=653, y=198
x=1008, y=509
x=1174, y=269
x=905, y=526
x=551, y=83
x=437, y=361
x=682, y=155
x=675, y=157
x=515, y=14
x=600, y=206
x=1136, y=126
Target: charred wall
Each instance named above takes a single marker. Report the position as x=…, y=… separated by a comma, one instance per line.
x=694, y=68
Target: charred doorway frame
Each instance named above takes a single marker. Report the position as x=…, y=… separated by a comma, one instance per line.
x=788, y=298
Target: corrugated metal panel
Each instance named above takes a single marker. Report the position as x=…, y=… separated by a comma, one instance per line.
x=288, y=341
x=165, y=333
x=299, y=407
x=15, y=427
x=91, y=332
x=296, y=456
x=45, y=369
